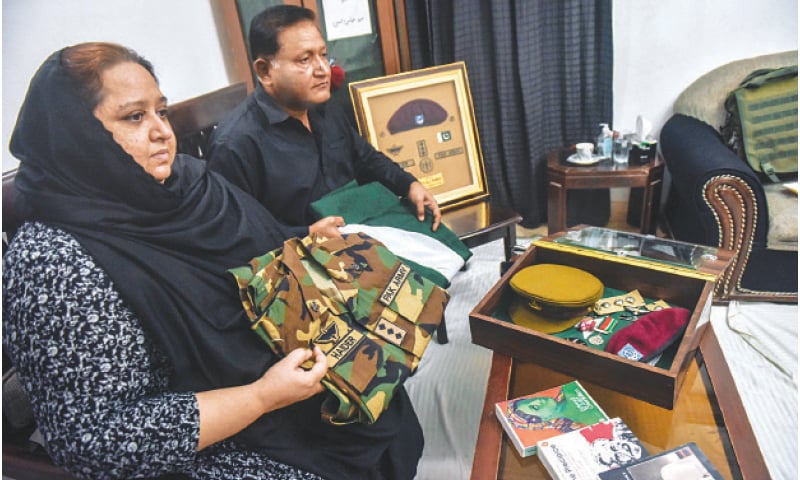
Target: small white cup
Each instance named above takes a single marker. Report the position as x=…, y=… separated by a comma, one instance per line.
x=584, y=150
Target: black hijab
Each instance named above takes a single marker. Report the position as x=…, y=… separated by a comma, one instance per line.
x=167, y=247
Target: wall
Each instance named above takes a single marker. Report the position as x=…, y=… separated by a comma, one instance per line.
x=181, y=38
x=659, y=46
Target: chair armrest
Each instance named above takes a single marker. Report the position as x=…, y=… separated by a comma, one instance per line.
x=714, y=181
x=721, y=200
x=694, y=152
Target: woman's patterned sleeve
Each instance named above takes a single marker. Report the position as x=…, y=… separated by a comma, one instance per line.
x=96, y=382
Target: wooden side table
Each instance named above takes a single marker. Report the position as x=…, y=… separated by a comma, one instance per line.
x=709, y=412
x=563, y=176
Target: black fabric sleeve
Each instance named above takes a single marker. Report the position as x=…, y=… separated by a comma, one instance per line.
x=372, y=165
x=234, y=160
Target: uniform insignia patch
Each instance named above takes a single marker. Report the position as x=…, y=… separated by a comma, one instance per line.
x=329, y=335
x=630, y=352
x=395, y=149
x=422, y=148
x=356, y=268
x=389, y=331
x=393, y=287
x=347, y=344
x=426, y=165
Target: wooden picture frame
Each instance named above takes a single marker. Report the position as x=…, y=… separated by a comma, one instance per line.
x=424, y=121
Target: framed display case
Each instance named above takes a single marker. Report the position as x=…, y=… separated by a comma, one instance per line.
x=424, y=121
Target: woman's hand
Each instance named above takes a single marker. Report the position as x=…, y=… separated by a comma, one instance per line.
x=287, y=382
x=227, y=411
x=421, y=198
x=328, y=226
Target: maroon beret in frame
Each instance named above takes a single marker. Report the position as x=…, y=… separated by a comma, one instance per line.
x=416, y=114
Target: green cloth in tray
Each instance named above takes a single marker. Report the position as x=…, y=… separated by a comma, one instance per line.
x=665, y=361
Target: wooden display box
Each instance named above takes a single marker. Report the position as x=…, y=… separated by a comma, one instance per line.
x=690, y=287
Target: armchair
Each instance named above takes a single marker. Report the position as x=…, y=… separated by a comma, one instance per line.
x=717, y=199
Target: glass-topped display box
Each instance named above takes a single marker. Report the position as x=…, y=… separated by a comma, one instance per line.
x=662, y=272
x=661, y=254
x=644, y=247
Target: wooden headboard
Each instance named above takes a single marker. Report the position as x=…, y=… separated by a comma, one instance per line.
x=194, y=119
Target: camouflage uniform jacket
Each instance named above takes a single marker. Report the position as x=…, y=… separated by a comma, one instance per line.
x=371, y=315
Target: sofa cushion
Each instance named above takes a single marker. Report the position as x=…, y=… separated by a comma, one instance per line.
x=704, y=99
x=782, y=206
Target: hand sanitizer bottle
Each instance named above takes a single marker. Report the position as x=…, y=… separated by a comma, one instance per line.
x=604, y=141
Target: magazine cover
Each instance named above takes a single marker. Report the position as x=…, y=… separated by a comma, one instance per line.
x=547, y=413
x=586, y=452
x=686, y=462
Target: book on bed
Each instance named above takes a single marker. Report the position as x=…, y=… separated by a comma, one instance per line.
x=547, y=413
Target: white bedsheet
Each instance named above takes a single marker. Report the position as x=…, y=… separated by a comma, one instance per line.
x=759, y=341
x=447, y=389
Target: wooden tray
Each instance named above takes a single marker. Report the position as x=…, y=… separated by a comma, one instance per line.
x=688, y=288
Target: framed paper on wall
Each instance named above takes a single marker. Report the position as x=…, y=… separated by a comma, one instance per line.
x=423, y=120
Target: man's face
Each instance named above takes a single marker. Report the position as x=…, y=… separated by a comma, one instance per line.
x=298, y=76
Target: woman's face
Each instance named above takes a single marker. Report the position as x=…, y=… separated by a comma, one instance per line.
x=134, y=110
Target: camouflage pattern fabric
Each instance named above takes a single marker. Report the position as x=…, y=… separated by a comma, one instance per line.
x=370, y=313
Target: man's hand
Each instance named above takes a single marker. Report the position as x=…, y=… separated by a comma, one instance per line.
x=422, y=198
x=328, y=226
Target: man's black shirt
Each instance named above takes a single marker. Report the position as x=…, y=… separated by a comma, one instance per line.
x=272, y=156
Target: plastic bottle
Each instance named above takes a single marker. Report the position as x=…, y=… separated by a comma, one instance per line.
x=608, y=142
x=604, y=142
x=598, y=143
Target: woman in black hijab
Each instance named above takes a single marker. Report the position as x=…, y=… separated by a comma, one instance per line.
x=120, y=316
